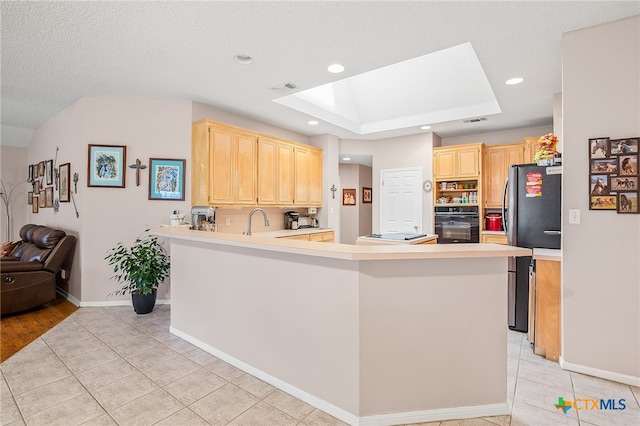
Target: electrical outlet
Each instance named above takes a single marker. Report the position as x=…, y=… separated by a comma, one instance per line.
x=227, y=221
x=574, y=216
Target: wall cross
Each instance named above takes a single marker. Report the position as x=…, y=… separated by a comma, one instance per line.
x=138, y=166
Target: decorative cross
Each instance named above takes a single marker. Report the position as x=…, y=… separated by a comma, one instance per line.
x=333, y=191
x=138, y=166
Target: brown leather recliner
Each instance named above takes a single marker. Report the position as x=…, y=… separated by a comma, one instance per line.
x=36, y=265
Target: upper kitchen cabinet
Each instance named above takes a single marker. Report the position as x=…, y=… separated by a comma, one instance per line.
x=308, y=176
x=496, y=162
x=530, y=149
x=224, y=159
x=276, y=178
x=461, y=161
x=234, y=166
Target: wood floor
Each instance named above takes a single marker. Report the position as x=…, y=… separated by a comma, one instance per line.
x=17, y=331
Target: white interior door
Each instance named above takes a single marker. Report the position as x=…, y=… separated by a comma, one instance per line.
x=401, y=200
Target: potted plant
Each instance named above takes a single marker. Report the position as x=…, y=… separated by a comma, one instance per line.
x=140, y=269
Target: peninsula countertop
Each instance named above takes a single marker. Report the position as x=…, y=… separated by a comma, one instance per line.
x=344, y=251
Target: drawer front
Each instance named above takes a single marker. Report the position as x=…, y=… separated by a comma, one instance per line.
x=325, y=237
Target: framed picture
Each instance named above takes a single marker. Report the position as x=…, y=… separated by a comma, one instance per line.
x=624, y=183
x=35, y=204
x=166, y=179
x=36, y=187
x=48, y=172
x=31, y=173
x=624, y=146
x=41, y=168
x=628, y=202
x=106, y=166
x=599, y=148
x=65, y=182
x=349, y=197
x=42, y=202
x=628, y=164
x=603, y=202
x=30, y=197
x=604, y=165
x=48, y=196
x=366, y=195
x=36, y=171
x=599, y=184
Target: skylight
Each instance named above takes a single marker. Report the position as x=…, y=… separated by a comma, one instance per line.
x=442, y=86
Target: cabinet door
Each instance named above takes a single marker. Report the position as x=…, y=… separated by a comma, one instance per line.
x=302, y=164
x=285, y=174
x=267, y=171
x=468, y=162
x=494, y=175
x=199, y=164
x=221, y=165
x=315, y=177
x=245, y=169
x=530, y=149
x=514, y=154
x=443, y=163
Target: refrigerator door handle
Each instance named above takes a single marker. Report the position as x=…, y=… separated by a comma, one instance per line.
x=504, y=205
x=552, y=232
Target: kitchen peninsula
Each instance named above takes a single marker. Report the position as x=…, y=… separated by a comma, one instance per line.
x=369, y=334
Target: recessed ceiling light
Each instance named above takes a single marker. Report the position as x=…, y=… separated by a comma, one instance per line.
x=335, y=68
x=346, y=158
x=243, y=59
x=425, y=127
x=515, y=80
x=313, y=123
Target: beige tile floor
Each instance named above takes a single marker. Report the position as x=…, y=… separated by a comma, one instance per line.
x=108, y=366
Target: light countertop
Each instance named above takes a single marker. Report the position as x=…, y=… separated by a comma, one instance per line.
x=547, y=254
x=262, y=241
x=381, y=241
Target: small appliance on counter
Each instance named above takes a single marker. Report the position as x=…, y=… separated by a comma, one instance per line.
x=291, y=220
x=203, y=218
x=493, y=222
x=307, y=222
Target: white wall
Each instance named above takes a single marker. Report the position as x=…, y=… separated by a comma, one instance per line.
x=148, y=128
x=601, y=276
x=14, y=173
x=501, y=137
x=406, y=151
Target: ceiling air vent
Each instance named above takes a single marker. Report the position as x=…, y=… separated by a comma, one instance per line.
x=475, y=120
x=284, y=88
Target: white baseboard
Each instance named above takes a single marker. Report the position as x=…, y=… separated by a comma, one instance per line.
x=440, y=414
x=105, y=303
x=603, y=374
x=347, y=417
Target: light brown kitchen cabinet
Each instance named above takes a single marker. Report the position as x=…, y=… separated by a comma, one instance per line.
x=546, y=337
x=497, y=159
x=530, y=149
x=233, y=166
x=494, y=238
x=308, y=176
x=461, y=161
x=323, y=237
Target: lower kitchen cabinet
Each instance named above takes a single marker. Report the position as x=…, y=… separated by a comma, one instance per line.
x=546, y=318
x=493, y=238
x=324, y=237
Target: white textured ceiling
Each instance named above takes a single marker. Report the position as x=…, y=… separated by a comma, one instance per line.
x=54, y=53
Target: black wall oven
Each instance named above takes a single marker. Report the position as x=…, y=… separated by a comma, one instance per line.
x=460, y=224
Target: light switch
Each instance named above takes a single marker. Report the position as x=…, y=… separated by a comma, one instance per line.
x=227, y=221
x=574, y=216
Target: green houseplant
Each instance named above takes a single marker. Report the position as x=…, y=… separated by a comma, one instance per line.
x=140, y=269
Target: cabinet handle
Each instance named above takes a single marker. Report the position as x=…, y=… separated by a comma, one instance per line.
x=9, y=279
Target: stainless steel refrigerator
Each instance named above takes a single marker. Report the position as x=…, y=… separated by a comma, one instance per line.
x=533, y=220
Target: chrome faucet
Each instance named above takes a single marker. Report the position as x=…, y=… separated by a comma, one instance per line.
x=258, y=209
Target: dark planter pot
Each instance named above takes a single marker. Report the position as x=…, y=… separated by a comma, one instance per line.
x=144, y=303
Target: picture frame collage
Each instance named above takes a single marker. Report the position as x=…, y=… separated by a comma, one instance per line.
x=613, y=175
x=107, y=169
x=46, y=180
